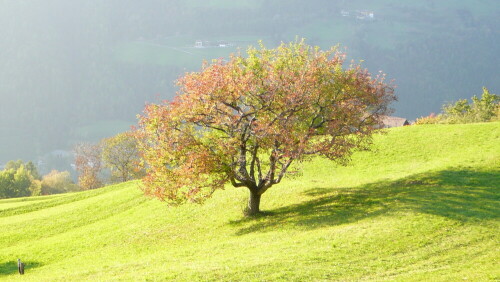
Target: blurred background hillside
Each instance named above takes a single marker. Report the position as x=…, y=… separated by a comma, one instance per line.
x=73, y=71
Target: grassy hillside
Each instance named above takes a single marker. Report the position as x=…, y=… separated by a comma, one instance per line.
x=424, y=205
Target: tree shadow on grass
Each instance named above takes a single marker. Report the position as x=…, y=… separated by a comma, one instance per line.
x=10, y=267
x=461, y=194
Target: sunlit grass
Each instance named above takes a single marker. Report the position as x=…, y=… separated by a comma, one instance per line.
x=424, y=205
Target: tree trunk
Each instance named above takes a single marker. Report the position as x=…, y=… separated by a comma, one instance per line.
x=254, y=203
x=124, y=175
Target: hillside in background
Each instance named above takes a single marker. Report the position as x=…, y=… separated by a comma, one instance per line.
x=77, y=71
x=423, y=205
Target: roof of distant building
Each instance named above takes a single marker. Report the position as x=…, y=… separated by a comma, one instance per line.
x=391, y=121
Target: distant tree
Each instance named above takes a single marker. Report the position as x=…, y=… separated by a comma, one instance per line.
x=486, y=107
x=22, y=182
x=36, y=187
x=459, y=111
x=57, y=182
x=33, y=170
x=7, y=184
x=29, y=166
x=246, y=120
x=482, y=109
x=121, y=155
x=15, y=183
x=13, y=164
x=88, y=165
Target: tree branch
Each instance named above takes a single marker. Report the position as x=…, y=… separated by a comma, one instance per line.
x=259, y=169
x=252, y=163
x=236, y=184
x=284, y=168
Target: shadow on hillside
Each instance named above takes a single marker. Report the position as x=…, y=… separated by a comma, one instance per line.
x=462, y=195
x=10, y=267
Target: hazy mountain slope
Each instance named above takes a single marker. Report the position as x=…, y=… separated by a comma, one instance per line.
x=71, y=65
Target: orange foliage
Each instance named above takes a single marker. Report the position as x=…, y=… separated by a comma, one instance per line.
x=246, y=120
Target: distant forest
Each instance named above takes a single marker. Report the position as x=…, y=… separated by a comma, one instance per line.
x=73, y=71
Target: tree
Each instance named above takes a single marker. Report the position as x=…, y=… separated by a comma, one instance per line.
x=7, y=189
x=33, y=170
x=246, y=120
x=15, y=182
x=13, y=164
x=88, y=165
x=120, y=154
x=482, y=109
x=486, y=107
x=36, y=187
x=57, y=182
x=29, y=166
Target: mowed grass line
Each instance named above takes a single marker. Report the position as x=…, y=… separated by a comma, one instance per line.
x=423, y=205
x=17, y=206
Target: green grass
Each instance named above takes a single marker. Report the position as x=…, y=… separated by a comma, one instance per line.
x=422, y=206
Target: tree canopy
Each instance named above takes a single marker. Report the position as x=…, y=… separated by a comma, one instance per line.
x=247, y=119
x=15, y=182
x=88, y=164
x=121, y=156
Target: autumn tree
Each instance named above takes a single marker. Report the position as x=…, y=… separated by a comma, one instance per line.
x=57, y=182
x=246, y=120
x=120, y=154
x=88, y=164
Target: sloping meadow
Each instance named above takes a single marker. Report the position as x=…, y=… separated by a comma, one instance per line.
x=422, y=205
